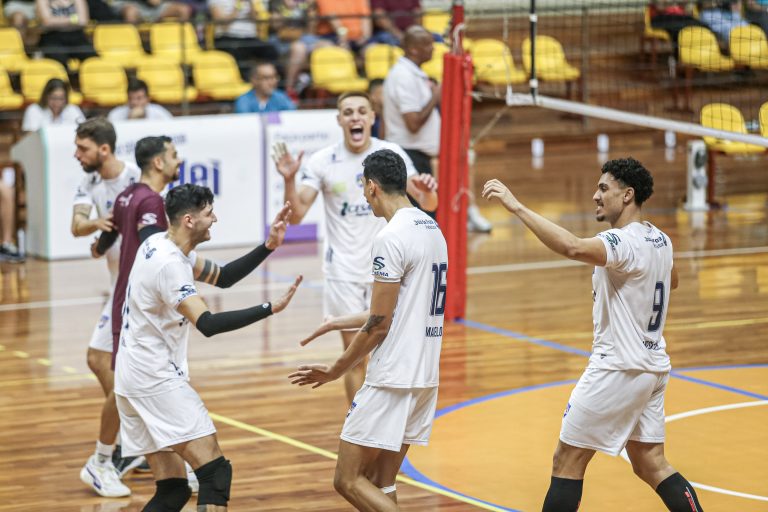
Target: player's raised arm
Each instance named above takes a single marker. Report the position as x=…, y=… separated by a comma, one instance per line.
x=374, y=331
x=194, y=309
x=339, y=323
x=557, y=238
x=288, y=167
x=209, y=272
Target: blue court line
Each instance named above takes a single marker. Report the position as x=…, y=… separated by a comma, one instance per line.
x=718, y=386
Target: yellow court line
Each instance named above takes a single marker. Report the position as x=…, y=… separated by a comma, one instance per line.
x=330, y=455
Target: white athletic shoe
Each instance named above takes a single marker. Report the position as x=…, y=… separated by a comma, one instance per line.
x=103, y=478
x=194, y=485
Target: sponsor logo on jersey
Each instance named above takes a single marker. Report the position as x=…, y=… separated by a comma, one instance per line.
x=651, y=345
x=378, y=263
x=207, y=174
x=355, y=210
x=351, y=408
x=612, y=238
x=359, y=180
x=186, y=290
x=149, y=252
x=103, y=321
x=125, y=200
x=149, y=218
x=657, y=242
x=434, y=332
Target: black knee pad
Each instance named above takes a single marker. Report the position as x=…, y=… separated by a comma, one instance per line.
x=215, y=480
x=170, y=496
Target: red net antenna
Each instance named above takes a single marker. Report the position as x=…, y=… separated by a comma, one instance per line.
x=456, y=109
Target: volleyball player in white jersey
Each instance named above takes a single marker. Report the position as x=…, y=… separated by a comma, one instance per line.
x=395, y=407
x=335, y=173
x=106, y=177
x=161, y=416
x=619, y=400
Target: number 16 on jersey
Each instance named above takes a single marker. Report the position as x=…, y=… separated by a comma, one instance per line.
x=439, y=272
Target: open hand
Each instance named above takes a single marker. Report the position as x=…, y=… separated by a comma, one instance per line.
x=425, y=182
x=494, y=189
x=104, y=223
x=286, y=165
x=281, y=303
x=278, y=227
x=317, y=374
x=327, y=326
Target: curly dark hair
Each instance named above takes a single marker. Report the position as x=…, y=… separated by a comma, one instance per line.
x=185, y=199
x=631, y=173
x=386, y=168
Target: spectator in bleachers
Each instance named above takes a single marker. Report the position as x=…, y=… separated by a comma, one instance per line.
x=348, y=20
x=237, y=32
x=295, y=25
x=672, y=17
x=139, y=106
x=152, y=10
x=102, y=11
x=392, y=17
x=8, y=250
x=265, y=96
x=722, y=17
x=53, y=108
x=757, y=12
x=63, y=36
x=376, y=94
x=18, y=13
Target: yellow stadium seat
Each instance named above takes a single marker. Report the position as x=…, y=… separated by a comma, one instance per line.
x=9, y=100
x=36, y=73
x=726, y=117
x=379, y=58
x=333, y=69
x=749, y=47
x=699, y=50
x=764, y=120
x=166, y=40
x=165, y=80
x=216, y=75
x=551, y=64
x=434, y=67
x=493, y=63
x=651, y=35
x=104, y=82
x=119, y=43
x=12, y=55
x=436, y=22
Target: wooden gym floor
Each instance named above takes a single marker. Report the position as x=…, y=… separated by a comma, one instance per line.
x=507, y=370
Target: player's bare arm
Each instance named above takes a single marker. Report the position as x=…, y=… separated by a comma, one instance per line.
x=195, y=310
x=423, y=188
x=340, y=323
x=209, y=272
x=83, y=225
x=288, y=166
x=675, y=278
x=383, y=301
x=557, y=238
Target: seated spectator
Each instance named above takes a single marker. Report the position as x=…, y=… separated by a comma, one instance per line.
x=376, y=95
x=18, y=13
x=295, y=24
x=63, y=36
x=138, y=106
x=52, y=109
x=723, y=17
x=348, y=20
x=757, y=12
x=8, y=250
x=391, y=18
x=264, y=97
x=236, y=31
x=152, y=10
x=672, y=17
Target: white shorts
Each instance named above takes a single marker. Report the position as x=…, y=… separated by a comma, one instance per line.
x=151, y=424
x=388, y=418
x=101, y=339
x=607, y=408
x=341, y=298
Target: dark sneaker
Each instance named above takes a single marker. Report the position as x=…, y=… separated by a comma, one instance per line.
x=143, y=467
x=125, y=465
x=11, y=254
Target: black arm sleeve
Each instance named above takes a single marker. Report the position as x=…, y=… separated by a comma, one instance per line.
x=106, y=240
x=235, y=270
x=214, y=323
x=148, y=231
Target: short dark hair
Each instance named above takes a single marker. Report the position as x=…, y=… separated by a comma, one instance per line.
x=631, y=173
x=186, y=198
x=376, y=82
x=99, y=130
x=148, y=148
x=257, y=65
x=134, y=84
x=52, y=85
x=386, y=168
x=352, y=94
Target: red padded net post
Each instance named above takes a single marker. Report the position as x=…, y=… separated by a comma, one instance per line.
x=456, y=110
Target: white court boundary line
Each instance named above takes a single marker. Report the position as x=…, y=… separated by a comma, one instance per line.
x=707, y=410
x=540, y=265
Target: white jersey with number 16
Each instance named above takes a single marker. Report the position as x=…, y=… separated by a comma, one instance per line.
x=411, y=249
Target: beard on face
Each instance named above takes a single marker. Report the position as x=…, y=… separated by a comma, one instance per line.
x=91, y=168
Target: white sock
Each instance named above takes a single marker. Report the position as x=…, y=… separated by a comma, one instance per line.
x=104, y=452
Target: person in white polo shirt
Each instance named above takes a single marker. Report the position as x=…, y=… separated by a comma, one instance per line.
x=335, y=173
x=138, y=106
x=395, y=407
